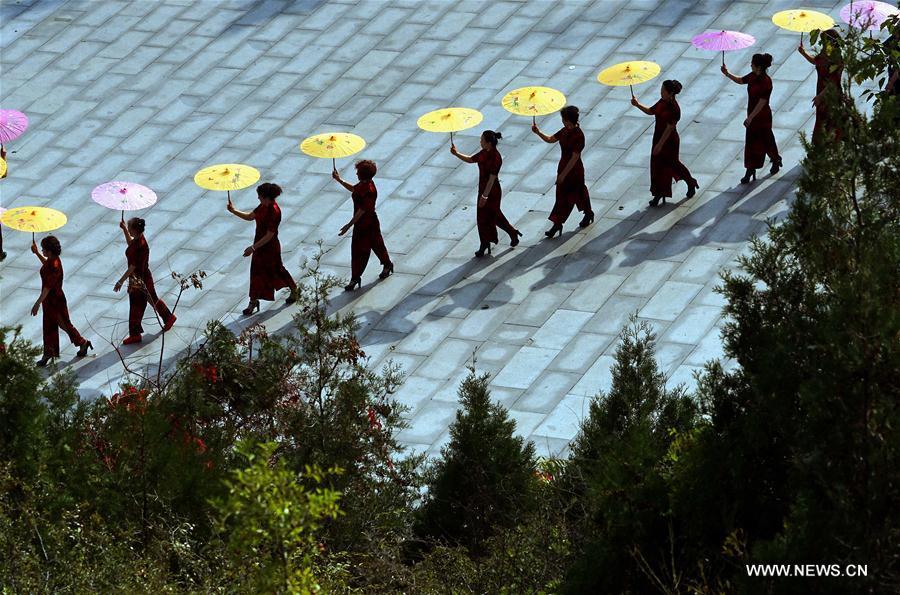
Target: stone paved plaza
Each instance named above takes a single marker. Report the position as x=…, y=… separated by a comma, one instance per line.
x=150, y=91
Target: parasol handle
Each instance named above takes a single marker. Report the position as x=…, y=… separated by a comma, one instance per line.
x=451, y=137
x=723, y=57
x=632, y=89
x=333, y=164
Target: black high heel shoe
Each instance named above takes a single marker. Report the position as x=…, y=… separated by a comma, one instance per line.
x=776, y=165
x=655, y=201
x=252, y=307
x=82, y=351
x=354, y=283
x=692, y=188
x=386, y=271
x=555, y=230
x=514, y=238
x=42, y=363
x=482, y=249
x=291, y=299
x=587, y=220
x=749, y=175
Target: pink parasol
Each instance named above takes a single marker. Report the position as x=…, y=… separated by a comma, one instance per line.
x=867, y=14
x=723, y=41
x=123, y=196
x=12, y=124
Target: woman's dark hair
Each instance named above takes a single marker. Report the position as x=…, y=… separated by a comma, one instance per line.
x=570, y=114
x=366, y=169
x=672, y=86
x=829, y=37
x=269, y=190
x=492, y=136
x=51, y=245
x=137, y=223
x=762, y=60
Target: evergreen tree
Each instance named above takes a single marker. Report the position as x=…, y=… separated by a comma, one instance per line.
x=614, y=485
x=484, y=480
x=803, y=446
x=21, y=415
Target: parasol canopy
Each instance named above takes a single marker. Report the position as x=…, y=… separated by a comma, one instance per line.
x=629, y=73
x=332, y=145
x=33, y=219
x=723, y=41
x=226, y=176
x=123, y=196
x=867, y=14
x=12, y=124
x=533, y=101
x=450, y=119
x=802, y=21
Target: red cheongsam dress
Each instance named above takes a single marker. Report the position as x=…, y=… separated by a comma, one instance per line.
x=366, y=231
x=666, y=166
x=56, y=312
x=267, y=272
x=572, y=191
x=140, y=287
x=828, y=73
x=490, y=217
x=759, y=139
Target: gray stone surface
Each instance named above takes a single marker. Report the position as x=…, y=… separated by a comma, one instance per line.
x=151, y=91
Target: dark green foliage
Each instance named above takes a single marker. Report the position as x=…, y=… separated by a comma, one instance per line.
x=21, y=439
x=529, y=557
x=484, y=479
x=139, y=469
x=334, y=412
x=797, y=457
x=614, y=486
x=271, y=523
x=788, y=454
x=807, y=431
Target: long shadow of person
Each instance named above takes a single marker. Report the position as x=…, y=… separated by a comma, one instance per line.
x=628, y=244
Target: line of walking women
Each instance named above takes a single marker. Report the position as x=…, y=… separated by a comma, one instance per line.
x=268, y=273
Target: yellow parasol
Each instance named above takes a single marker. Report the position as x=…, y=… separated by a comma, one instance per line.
x=450, y=119
x=33, y=219
x=2, y=167
x=629, y=73
x=533, y=101
x=226, y=176
x=802, y=20
x=331, y=145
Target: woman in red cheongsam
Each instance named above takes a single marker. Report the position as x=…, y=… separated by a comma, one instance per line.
x=665, y=165
x=140, y=282
x=571, y=190
x=366, y=228
x=267, y=272
x=829, y=69
x=760, y=141
x=53, y=302
x=488, y=214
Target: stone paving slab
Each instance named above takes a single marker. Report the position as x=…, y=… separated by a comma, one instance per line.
x=151, y=91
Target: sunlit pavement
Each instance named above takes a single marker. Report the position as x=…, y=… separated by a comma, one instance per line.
x=152, y=91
